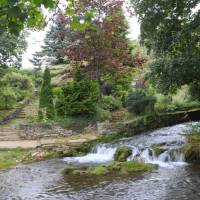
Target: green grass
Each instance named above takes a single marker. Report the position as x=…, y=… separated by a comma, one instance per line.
x=11, y=157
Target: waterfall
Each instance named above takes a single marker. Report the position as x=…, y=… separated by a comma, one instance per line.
x=100, y=154
x=170, y=140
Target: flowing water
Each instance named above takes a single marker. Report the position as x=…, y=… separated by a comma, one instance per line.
x=173, y=180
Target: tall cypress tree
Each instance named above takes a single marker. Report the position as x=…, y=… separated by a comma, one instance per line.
x=46, y=96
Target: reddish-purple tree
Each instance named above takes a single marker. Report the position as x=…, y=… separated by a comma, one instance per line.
x=102, y=47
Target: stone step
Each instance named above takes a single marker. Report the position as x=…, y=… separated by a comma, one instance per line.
x=8, y=133
x=10, y=138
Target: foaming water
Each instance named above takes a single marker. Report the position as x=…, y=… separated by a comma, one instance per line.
x=168, y=139
x=174, y=179
x=101, y=154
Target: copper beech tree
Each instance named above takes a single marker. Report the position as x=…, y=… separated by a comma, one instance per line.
x=101, y=47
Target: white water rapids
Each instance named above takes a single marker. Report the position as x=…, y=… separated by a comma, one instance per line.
x=169, y=139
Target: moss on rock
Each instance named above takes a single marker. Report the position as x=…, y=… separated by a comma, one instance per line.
x=157, y=149
x=122, y=153
x=192, y=148
x=128, y=167
x=99, y=170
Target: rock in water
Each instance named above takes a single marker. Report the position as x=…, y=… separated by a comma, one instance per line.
x=122, y=153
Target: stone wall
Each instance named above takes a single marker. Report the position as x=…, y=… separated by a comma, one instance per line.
x=148, y=123
x=33, y=132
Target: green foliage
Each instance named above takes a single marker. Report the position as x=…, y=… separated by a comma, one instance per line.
x=195, y=90
x=122, y=83
x=81, y=96
x=52, y=50
x=171, y=30
x=111, y=103
x=8, y=97
x=21, y=84
x=17, y=15
x=46, y=96
x=122, y=153
x=162, y=102
x=168, y=74
x=59, y=101
x=103, y=115
x=138, y=102
x=11, y=49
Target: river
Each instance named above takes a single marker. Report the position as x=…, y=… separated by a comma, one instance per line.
x=173, y=180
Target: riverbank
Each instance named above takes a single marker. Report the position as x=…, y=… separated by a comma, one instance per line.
x=26, y=151
x=81, y=144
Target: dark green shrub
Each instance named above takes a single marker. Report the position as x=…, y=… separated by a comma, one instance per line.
x=59, y=101
x=111, y=103
x=81, y=96
x=46, y=95
x=138, y=102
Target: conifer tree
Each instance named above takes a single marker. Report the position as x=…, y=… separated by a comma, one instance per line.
x=46, y=96
x=52, y=50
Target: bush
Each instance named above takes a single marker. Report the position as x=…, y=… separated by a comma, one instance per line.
x=162, y=102
x=8, y=97
x=17, y=80
x=46, y=96
x=110, y=103
x=20, y=83
x=81, y=96
x=59, y=101
x=103, y=115
x=194, y=90
x=138, y=102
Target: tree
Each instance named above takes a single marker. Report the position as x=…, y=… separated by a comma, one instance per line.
x=20, y=83
x=54, y=42
x=103, y=47
x=11, y=49
x=80, y=96
x=37, y=59
x=46, y=96
x=171, y=30
x=8, y=97
x=17, y=15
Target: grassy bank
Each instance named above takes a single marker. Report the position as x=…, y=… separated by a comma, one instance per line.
x=11, y=157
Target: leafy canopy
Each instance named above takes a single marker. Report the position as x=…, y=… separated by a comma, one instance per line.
x=171, y=29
